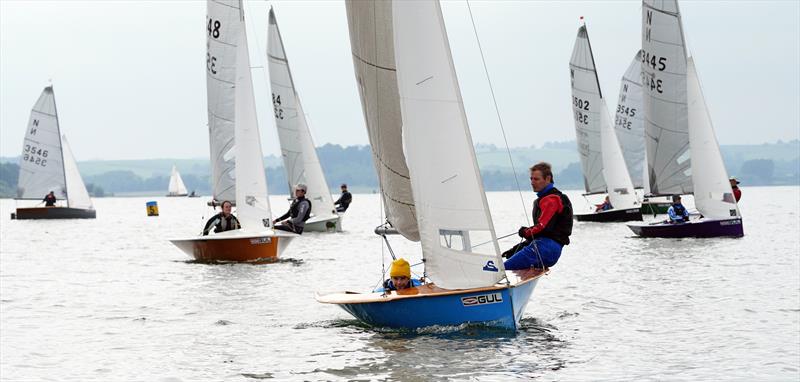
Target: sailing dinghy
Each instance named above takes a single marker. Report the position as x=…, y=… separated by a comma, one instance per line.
x=256, y=240
x=47, y=164
x=299, y=154
x=176, y=186
x=604, y=170
x=676, y=116
x=409, y=89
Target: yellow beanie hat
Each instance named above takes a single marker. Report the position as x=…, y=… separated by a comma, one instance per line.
x=400, y=267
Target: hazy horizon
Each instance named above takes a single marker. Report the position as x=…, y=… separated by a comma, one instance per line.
x=129, y=77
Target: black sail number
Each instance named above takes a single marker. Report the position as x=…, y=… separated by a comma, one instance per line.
x=35, y=155
x=211, y=63
x=277, y=106
x=213, y=27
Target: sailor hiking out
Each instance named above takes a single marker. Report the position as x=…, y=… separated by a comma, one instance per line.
x=294, y=220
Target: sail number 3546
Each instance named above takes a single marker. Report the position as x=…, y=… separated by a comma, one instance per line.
x=35, y=155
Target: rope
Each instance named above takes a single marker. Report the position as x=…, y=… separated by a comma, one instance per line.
x=497, y=111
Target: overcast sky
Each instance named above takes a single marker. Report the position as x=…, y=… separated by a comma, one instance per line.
x=129, y=76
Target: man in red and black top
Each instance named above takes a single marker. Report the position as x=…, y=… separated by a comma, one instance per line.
x=737, y=193
x=552, y=224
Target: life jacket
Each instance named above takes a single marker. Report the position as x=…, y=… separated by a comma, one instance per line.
x=680, y=211
x=227, y=224
x=560, y=226
x=293, y=210
x=389, y=285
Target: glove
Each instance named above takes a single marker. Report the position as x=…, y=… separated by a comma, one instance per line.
x=521, y=231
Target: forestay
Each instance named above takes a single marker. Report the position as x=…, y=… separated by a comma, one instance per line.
x=77, y=196
x=586, y=107
x=223, y=29
x=713, y=196
x=452, y=211
x=370, y=24
x=176, y=186
x=297, y=147
x=628, y=121
x=41, y=166
x=251, y=183
x=665, y=110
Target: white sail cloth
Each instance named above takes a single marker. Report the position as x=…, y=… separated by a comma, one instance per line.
x=300, y=159
x=371, y=41
x=451, y=206
x=251, y=184
x=77, y=196
x=665, y=109
x=713, y=195
x=176, y=186
x=629, y=124
x=586, y=108
x=41, y=166
x=223, y=29
x=621, y=193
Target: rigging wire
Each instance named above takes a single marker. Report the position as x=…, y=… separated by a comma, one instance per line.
x=497, y=111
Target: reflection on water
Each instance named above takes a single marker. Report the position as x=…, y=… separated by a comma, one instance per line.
x=112, y=299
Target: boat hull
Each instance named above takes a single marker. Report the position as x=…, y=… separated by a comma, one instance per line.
x=329, y=224
x=630, y=214
x=700, y=228
x=424, y=306
x=176, y=195
x=53, y=213
x=235, y=248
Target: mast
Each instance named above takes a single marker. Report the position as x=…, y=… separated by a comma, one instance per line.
x=58, y=129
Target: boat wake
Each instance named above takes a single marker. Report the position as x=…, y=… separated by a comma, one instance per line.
x=295, y=262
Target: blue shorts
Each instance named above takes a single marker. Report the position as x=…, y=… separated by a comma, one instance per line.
x=549, y=251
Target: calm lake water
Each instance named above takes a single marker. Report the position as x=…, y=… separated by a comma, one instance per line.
x=112, y=299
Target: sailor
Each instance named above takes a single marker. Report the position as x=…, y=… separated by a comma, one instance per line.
x=400, y=277
x=605, y=206
x=223, y=221
x=737, y=193
x=50, y=199
x=677, y=212
x=552, y=224
x=294, y=220
x=344, y=200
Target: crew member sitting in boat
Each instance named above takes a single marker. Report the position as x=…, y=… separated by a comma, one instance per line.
x=604, y=206
x=677, y=212
x=50, y=199
x=399, y=277
x=344, y=201
x=737, y=193
x=223, y=221
x=295, y=219
x=552, y=224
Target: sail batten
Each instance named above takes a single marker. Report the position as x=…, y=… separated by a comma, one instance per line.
x=300, y=160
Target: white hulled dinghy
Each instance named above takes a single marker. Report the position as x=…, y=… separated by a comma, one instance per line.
x=409, y=89
x=674, y=98
x=299, y=154
x=47, y=164
x=176, y=186
x=604, y=170
x=256, y=240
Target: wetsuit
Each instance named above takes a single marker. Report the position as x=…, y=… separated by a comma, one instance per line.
x=552, y=226
x=221, y=223
x=299, y=211
x=343, y=201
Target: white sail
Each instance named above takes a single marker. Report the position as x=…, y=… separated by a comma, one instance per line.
x=665, y=110
x=251, y=183
x=713, y=196
x=41, y=166
x=370, y=24
x=451, y=206
x=586, y=108
x=300, y=159
x=77, y=196
x=628, y=121
x=176, y=186
x=621, y=193
x=222, y=29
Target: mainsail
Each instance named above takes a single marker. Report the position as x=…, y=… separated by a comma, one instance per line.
x=41, y=167
x=665, y=110
x=452, y=211
x=251, y=183
x=713, y=196
x=297, y=147
x=586, y=107
x=223, y=29
x=77, y=196
x=176, y=186
x=628, y=121
x=371, y=40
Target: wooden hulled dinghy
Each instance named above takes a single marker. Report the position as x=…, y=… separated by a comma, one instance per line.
x=236, y=246
x=53, y=213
